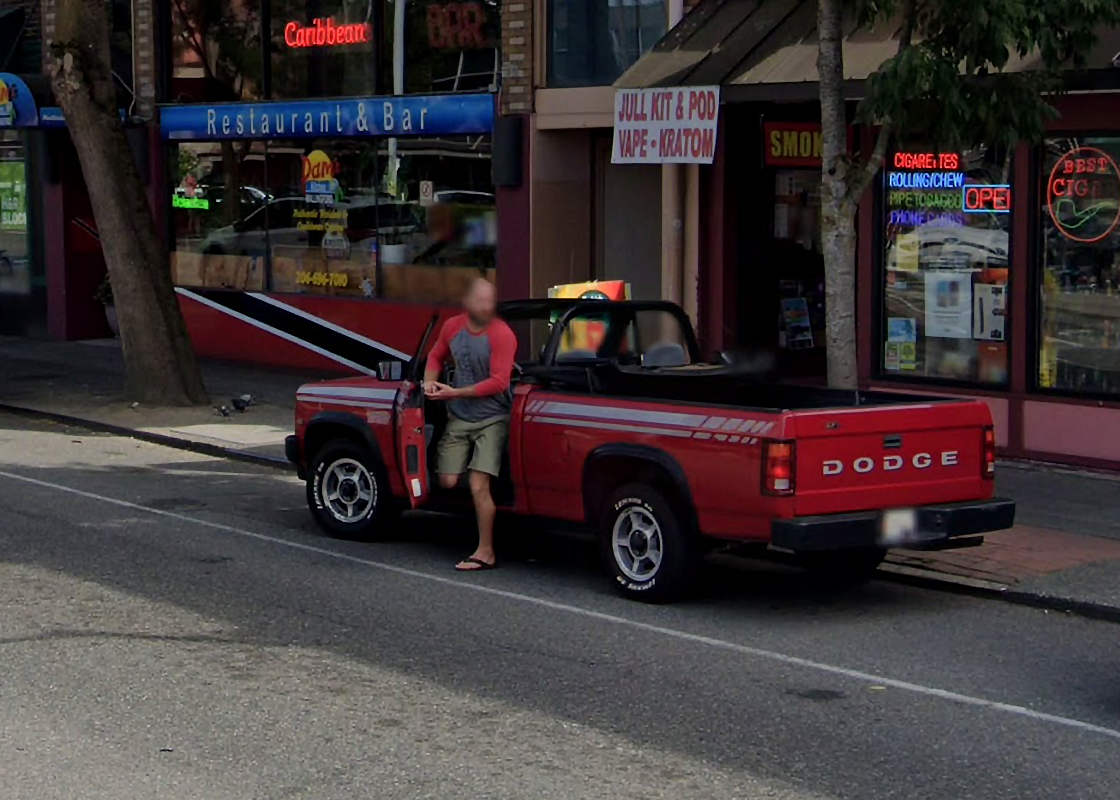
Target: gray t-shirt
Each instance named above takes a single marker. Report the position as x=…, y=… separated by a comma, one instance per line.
x=483, y=360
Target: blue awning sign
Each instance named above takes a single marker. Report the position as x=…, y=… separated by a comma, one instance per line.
x=17, y=104
x=405, y=115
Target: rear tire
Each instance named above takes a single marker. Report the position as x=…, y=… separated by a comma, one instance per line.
x=348, y=492
x=645, y=548
x=838, y=568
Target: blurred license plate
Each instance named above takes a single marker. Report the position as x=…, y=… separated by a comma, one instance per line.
x=898, y=526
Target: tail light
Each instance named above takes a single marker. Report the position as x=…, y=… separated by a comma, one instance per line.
x=988, y=459
x=777, y=469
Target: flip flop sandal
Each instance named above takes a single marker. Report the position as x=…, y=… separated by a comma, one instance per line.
x=481, y=566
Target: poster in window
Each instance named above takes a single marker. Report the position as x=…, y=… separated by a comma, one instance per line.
x=989, y=320
x=799, y=330
x=902, y=329
x=949, y=305
x=907, y=252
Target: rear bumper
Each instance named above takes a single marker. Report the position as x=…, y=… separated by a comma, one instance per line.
x=938, y=527
x=291, y=451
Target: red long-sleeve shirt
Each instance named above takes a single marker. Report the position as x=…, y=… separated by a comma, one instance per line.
x=483, y=363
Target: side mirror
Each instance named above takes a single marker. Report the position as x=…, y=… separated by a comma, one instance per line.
x=390, y=370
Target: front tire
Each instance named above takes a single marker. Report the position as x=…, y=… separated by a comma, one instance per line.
x=645, y=548
x=348, y=491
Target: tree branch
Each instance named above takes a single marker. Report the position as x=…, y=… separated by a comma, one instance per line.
x=194, y=38
x=863, y=177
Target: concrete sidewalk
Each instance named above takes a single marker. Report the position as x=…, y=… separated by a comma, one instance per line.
x=1063, y=553
x=84, y=381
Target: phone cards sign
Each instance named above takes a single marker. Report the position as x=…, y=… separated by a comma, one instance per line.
x=665, y=126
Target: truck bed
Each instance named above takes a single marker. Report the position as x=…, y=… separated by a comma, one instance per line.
x=724, y=386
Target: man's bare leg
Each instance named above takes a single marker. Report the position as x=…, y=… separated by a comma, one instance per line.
x=448, y=481
x=484, y=510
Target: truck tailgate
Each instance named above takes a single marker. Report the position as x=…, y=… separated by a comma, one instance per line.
x=889, y=456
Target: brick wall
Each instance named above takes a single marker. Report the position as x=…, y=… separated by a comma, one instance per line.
x=144, y=56
x=143, y=49
x=517, y=57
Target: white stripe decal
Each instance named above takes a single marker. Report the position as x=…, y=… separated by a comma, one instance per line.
x=627, y=414
x=314, y=398
x=331, y=326
x=276, y=332
x=608, y=426
x=357, y=392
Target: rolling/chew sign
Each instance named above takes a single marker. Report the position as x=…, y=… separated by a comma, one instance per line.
x=665, y=126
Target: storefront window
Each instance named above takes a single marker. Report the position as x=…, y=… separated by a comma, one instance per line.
x=323, y=49
x=592, y=42
x=15, y=262
x=405, y=219
x=946, y=266
x=217, y=206
x=216, y=51
x=1079, y=296
x=443, y=222
x=447, y=46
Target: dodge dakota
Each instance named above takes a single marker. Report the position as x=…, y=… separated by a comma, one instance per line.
x=619, y=425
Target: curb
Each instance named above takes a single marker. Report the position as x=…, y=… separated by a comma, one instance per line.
x=202, y=448
x=992, y=591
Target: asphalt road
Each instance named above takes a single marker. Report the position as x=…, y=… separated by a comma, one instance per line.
x=173, y=626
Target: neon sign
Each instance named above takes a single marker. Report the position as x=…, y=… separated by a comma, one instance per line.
x=456, y=26
x=326, y=33
x=985, y=199
x=198, y=203
x=1083, y=195
x=925, y=180
x=942, y=161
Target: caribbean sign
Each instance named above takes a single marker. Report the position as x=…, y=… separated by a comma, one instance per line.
x=1083, y=194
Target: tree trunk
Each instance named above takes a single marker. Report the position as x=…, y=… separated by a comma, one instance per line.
x=160, y=364
x=838, y=208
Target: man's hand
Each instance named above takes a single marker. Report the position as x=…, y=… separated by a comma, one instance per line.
x=435, y=390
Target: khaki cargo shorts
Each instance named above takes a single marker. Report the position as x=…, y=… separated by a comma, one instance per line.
x=486, y=438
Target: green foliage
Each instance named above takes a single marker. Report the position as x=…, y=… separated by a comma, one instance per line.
x=979, y=70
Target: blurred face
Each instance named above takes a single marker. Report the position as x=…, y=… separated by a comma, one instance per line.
x=480, y=302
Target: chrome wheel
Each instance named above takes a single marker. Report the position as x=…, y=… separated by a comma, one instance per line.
x=638, y=544
x=349, y=490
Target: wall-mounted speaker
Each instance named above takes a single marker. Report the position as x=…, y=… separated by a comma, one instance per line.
x=508, y=148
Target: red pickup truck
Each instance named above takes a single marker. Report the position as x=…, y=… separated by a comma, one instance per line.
x=617, y=424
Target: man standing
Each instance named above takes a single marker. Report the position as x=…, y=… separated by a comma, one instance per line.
x=478, y=404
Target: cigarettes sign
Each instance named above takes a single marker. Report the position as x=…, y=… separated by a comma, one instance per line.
x=665, y=126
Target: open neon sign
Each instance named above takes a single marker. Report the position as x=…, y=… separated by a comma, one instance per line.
x=984, y=199
x=327, y=33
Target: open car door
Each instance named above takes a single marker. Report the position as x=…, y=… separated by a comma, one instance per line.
x=412, y=443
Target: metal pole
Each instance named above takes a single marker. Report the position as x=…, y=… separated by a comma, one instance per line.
x=672, y=223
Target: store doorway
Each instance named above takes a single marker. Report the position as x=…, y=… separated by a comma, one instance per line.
x=782, y=297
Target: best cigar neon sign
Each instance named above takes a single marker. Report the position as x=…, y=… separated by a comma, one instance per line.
x=327, y=33
x=1083, y=195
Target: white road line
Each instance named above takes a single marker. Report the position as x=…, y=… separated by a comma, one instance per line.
x=719, y=644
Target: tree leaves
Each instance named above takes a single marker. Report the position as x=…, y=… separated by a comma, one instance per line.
x=979, y=70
